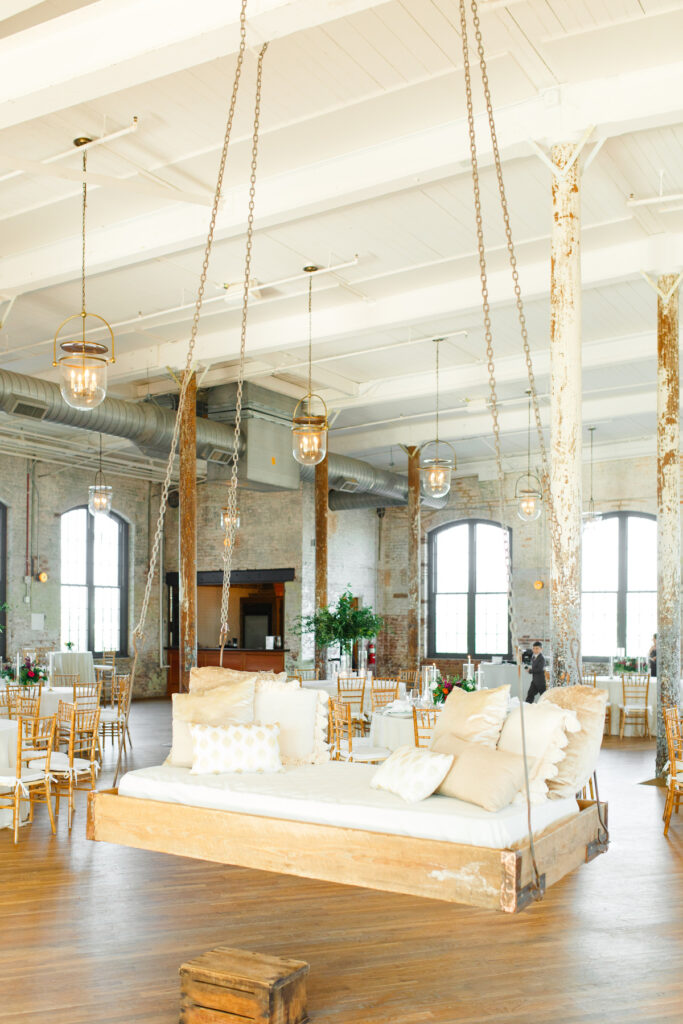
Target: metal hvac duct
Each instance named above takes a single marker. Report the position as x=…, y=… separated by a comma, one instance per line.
x=143, y=423
x=388, y=488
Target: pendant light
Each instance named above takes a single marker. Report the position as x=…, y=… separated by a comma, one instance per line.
x=227, y=519
x=591, y=517
x=309, y=429
x=528, y=492
x=100, y=493
x=436, y=471
x=83, y=367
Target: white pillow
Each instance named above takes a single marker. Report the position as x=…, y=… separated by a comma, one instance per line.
x=413, y=773
x=302, y=717
x=476, y=717
x=209, y=677
x=235, y=748
x=546, y=726
x=227, y=705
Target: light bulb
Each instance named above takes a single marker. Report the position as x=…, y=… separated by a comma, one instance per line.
x=436, y=477
x=309, y=440
x=529, y=507
x=83, y=380
x=99, y=499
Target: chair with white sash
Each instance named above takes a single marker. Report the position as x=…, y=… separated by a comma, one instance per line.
x=30, y=782
x=674, y=742
x=634, y=707
x=345, y=745
x=77, y=769
x=113, y=720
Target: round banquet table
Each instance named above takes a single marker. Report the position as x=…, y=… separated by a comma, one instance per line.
x=73, y=663
x=50, y=698
x=392, y=731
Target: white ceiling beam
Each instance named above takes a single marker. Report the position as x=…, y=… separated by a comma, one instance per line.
x=360, y=174
x=117, y=44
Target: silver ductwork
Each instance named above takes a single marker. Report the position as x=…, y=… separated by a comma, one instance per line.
x=368, y=484
x=145, y=424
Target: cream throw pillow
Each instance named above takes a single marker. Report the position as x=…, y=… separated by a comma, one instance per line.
x=481, y=775
x=412, y=773
x=302, y=717
x=583, y=748
x=546, y=727
x=212, y=676
x=223, y=706
x=235, y=748
x=476, y=717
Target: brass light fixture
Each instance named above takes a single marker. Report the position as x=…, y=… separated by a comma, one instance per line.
x=309, y=429
x=528, y=491
x=436, y=471
x=230, y=523
x=591, y=516
x=83, y=367
x=100, y=493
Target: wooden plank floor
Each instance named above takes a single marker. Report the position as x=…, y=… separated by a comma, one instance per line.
x=94, y=934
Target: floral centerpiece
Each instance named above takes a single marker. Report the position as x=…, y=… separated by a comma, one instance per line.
x=30, y=674
x=625, y=665
x=442, y=687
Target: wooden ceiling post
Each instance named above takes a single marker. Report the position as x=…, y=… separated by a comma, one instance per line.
x=413, y=557
x=321, y=530
x=187, y=534
x=668, y=507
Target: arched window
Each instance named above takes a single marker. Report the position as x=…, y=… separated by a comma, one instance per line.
x=468, y=607
x=94, y=592
x=619, y=582
x=3, y=579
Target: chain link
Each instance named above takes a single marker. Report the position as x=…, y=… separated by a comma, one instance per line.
x=231, y=528
x=85, y=203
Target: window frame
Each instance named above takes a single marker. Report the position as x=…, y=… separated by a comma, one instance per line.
x=622, y=580
x=471, y=592
x=3, y=579
x=122, y=652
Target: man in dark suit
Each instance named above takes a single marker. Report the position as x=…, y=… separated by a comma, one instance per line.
x=537, y=670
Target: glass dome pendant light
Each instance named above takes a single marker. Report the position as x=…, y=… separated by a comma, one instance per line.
x=528, y=492
x=591, y=516
x=100, y=493
x=230, y=522
x=436, y=471
x=83, y=367
x=309, y=429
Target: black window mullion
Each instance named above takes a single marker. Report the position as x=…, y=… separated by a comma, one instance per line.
x=123, y=588
x=90, y=577
x=3, y=578
x=431, y=593
x=472, y=588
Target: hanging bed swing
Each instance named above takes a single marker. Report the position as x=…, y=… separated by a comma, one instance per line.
x=442, y=849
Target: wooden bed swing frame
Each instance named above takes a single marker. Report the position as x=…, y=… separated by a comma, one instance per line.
x=453, y=872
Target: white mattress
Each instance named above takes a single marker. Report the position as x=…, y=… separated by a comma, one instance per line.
x=339, y=794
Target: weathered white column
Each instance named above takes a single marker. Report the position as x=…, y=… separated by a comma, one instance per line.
x=565, y=411
x=668, y=507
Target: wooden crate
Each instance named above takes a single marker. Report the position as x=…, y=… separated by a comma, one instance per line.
x=232, y=985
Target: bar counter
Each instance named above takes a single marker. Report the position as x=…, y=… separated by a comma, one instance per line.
x=245, y=659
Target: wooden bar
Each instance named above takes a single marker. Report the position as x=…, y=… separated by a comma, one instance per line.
x=238, y=658
x=187, y=558
x=321, y=532
x=413, y=557
x=475, y=875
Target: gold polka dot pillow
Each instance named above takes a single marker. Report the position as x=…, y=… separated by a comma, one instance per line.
x=235, y=748
x=413, y=773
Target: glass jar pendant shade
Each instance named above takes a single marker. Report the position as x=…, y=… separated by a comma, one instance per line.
x=83, y=366
x=309, y=429
x=591, y=517
x=437, y=470
x=226, y=518
x=100, y=493
x=528, y=492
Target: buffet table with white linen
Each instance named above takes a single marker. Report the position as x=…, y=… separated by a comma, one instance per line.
x=73, y=663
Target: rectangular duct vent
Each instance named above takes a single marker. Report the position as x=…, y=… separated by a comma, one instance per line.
x=350, y=485
x=217, y=455
x=33, y=410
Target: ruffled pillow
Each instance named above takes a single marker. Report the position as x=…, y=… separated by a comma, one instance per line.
x=583, y=748
x=546, y=727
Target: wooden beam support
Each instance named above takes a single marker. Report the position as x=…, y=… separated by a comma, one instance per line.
x=413, y=557
x=187, y=535
x=668, y=507
x=321, y=531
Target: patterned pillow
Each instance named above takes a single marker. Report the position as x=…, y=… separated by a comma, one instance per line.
x=412, y=773
x=235, y=748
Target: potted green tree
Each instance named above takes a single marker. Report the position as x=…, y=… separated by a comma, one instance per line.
x=341, y=624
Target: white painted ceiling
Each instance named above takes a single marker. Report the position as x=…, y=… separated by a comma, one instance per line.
x=363, y=161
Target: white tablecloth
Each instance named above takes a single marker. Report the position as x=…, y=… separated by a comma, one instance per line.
x=49, y=699
x=614, y=688
x=71, y=663
x=8, y=762
x=392, y=731
x=499, y=675
x=330, y=687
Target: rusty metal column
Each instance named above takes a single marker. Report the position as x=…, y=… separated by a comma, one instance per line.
x=668, y=507
x=413, y=557
x=187, y=535
x=565, y=412
x=321, y=523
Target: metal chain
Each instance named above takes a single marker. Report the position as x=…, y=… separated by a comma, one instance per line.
x=437, y=399
x=310, y=340
x=560, y=627
x=488, y=334
x=85, y=203
x=232, y=489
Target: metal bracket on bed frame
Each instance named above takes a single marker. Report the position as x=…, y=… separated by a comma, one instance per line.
x=530, y=893
x=595, y=848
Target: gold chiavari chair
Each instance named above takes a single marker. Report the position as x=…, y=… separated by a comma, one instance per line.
x=345, y=745
x=634, y=707
x=86, y=695
x=307, y=674
x=294, y=677
x=409, y=676
x=14, y=691
x=30, y=783
x=424, y=720
x=351, y=690
x=113, y=720
x=105, y=670
x=591, y=679
x=28, y=710
x=383, y=692
x=27, y=652
x=5, y=702
x=76, y=770
x=674, y=742
x=43, y=655
x=64, y=682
